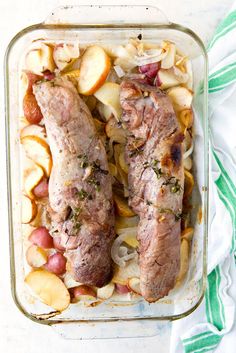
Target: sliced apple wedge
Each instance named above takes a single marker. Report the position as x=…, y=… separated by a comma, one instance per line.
x=106, y=291
x=32, y=178
x=34, y=130
x=50, y=289
x=65, y=54
x=36, y=256
x=28, y=209
x=109, y=94
x=122, y=274
x=122, y=207
x=134, y=285
x=72, y=74
x=181, y=98
x=169, y=60
x=38, y=150
x=94, y=68
x=40, y=59
x=166, y=79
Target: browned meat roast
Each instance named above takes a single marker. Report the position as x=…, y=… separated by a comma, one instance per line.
x=156, y=178
x=80, y=189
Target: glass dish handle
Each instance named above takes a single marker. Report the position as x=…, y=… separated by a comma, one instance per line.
x=106, y=14
x=116, y=329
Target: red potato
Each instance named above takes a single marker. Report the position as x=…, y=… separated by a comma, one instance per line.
x=57, y=244
x=31, y=109
x=31, y=78
x=48, y=75
x=82, y=292
x=122, y=289
x=41, y=190
x=41, y=237
x=150, y=70
x=56, y=264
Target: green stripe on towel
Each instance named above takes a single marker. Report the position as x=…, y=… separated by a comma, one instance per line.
x=227, y=25
x=222, y=81
x=202, y=342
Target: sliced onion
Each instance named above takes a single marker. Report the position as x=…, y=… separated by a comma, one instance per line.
x=189, y=70
x=181, y=76
x=119, y=71
x=188, y=152
x=110, y=148
x=126, y=230
x=149, y=57
x=117, y=250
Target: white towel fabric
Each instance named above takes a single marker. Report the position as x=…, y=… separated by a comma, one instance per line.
x=203, y=330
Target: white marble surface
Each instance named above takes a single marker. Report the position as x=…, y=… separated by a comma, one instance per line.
x=18, y=334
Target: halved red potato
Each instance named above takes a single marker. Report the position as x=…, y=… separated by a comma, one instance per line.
x=122, y=289
x=36, y=256
x=83, y=293
x=32, y=178
x=31, y=109
x=109, y=95
x=50, y=289
x=28, y=209
x=56, y=263
x=106, y=291
x=40, y=59
x=94, y=68
x=34, y=130
x=166, y=79
x=38, y=150
x=41, y=190
x=41, y=237
x=134, y=285
x=65, y=54
x=181, y=98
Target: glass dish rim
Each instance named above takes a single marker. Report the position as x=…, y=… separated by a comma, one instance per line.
x=44, y=26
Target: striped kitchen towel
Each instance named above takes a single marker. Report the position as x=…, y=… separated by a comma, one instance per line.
x=204, y=329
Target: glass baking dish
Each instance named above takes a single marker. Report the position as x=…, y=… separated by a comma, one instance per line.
x=110, y=24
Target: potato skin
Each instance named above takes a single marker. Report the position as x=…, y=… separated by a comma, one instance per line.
x=31, y=109
x=41, y=190
x=41, y=237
